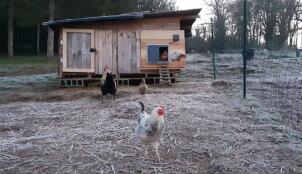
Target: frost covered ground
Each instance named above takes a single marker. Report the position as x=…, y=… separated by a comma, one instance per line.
x=209, y=128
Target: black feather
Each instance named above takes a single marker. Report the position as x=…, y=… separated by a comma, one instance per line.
x=142, y=106
x=152, y=129
x=109, y=86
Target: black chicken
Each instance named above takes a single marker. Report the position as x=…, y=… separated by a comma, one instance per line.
x=108, y=86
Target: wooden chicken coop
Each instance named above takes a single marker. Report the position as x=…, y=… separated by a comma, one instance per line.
x=133, y=46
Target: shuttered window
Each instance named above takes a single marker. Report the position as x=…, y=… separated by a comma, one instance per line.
x=153, y=54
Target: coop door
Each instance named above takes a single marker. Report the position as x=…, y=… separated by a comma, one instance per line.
x=78, y=47
x=128, y=51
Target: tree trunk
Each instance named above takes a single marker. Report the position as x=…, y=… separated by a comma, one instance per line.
x=10, y=37
x=50, y=38
x=38, y=39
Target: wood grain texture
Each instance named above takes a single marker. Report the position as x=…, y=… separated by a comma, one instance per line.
x=104, y=50
x=161, y=26
x=125, y=51
x=138, y=50
x=129, y=51
x=125, y=56
x=163, y=23
x=114, y=51
x=76, y=50
x=173, y=65
x=97, y=61
x=78, y=55
x=161, y=34
x=60, y=67
x=176, y=45
x=133, y=52
x=161, y=37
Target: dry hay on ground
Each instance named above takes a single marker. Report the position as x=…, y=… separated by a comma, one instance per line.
x=210, y=129
x=206, y=132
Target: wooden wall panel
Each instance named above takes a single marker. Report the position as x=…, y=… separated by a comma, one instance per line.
x=162, y=26
x=106, y=45
x=161, y=34
x=97, y=59
x=175, y=45
x=133, y=52
x=162, y=37
x=164, y=23
x=114, y=51
x=128, y=51
x=60, y=66
x=124, y=51
x=121, y=56
x=106, y=48
x=138, y=50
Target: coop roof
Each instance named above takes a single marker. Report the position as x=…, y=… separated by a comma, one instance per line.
x=187, y=17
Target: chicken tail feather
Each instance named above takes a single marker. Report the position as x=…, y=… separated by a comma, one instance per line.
x=142, y=106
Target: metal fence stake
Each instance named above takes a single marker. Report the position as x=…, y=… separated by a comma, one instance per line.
x=213, y=53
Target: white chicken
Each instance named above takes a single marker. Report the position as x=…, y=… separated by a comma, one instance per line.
x=150, y=128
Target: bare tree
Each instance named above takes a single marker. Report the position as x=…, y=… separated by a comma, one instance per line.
x=10, y=28
x=268, y=12
x=278, y=20
x=220, y=11
x=50, y=38
x=156, y=5
x=285, y=20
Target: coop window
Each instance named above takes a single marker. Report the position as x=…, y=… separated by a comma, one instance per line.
x=157, y=53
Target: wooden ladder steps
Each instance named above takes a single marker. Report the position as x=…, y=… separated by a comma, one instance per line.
x=164, y=75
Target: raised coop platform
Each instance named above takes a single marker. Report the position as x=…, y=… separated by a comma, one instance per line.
x=84, y=80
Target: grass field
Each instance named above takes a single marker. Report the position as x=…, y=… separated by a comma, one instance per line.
x=24, y=76
x=27, y=65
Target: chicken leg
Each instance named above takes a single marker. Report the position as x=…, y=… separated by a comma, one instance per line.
x=155, y=145
x=146, y=151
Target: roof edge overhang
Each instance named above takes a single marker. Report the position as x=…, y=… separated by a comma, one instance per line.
x=191, y=15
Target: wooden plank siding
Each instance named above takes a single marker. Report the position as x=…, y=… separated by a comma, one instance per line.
x=122, y=54
x=114, y=51
x=124, y=51
x=138, y=50
x=60, y=66
x=165, y=23
x=161, y=24
x=161, y=37
x=128, y=56
x=105, y=51
x=133, y=55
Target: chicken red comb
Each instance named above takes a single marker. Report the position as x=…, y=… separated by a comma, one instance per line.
x=106, y=67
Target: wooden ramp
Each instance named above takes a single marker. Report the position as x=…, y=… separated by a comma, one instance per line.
x=164, y=75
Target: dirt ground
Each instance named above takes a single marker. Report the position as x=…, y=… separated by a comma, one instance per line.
x=209, y=129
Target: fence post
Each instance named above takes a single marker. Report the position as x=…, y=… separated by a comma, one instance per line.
x=244, y=48
x=213, y=53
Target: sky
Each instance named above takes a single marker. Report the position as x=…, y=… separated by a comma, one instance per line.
x=205, y=13
x=191, y=4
